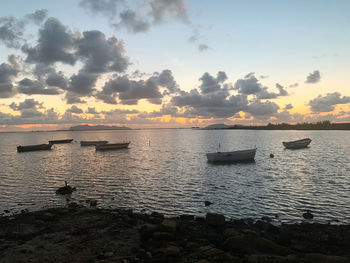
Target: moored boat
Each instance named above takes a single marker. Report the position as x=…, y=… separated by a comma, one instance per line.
x=61, y=141
x=92, y=143
x=37, y=147
x=112, y=146
x=234, y=156
x=303, y=143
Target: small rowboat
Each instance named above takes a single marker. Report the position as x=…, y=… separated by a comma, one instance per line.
x=30, y=148
x=303, y=143
x=112, y=146
x=92, y=143
x=235, y=156
x=61, y=141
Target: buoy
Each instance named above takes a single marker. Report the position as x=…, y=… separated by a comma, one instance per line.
x=271, y=155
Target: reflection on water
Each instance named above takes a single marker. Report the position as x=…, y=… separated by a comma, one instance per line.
x=167, y=171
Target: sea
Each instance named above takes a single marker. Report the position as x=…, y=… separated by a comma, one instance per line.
x=166, y=171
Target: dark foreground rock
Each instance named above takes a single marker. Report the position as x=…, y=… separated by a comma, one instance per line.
x=78, y=234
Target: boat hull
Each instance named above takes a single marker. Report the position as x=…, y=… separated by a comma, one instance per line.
x=112, y=146
x=92, y=143
x=61, y=141
x=31, y=148
x=299, y=144
x=235, y=156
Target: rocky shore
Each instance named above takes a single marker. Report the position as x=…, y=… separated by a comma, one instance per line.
x=78, y=234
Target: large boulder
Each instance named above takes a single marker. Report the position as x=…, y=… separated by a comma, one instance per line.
x=168, y=225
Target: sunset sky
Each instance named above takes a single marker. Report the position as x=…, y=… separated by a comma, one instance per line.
x=173, y=63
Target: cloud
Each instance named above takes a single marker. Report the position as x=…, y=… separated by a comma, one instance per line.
x=37, y=17
x=211, y=84
x=132, y=22
x=105, y=7
x=130, y=91
x=55, y=44
x=160, y=9
x=83, y=83
x=259, y=108
x=8, y=71
x=294, y=85
x=203, y=47
x=217, y=104
x=288, y=107
x=72, y=98
x=30, y=87
x=248, y=85
x=58, y=80
x=26, y=104
x=101, y=55
x=74, y=109
x=328, y=102
x=313, y=77
x=11, y=31
x=92, y=110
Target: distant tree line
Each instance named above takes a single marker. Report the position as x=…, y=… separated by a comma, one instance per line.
x=321, y=125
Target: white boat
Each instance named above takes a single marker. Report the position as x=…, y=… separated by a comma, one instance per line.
x=235, y=156
x=112, y=146
x=297, y=144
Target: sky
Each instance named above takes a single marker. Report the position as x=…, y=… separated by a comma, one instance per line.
x=173, y=63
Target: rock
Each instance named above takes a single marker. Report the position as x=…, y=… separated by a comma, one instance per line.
x=230, y=232
x=316, y=258
x=73, y=205
x=308, y=215
x=207, y=203
x=168, y=225
x=162, y=236
x=146, y=231
x=250, y=244
x=271, y=259
x=212, y=252
x=65, y=190
x=172, y=251
x=203, y=261
x=93, y=203
x=214, y=219
x=187, y=217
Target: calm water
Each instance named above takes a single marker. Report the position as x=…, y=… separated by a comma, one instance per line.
x=167, y=171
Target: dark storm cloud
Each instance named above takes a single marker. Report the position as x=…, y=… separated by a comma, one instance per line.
x=37, y=17
x=8, y=71
x=162, y=9
x=106, y=7
x=74, y=109
x=11, y=31
x=26, y=104
x=313, y=77
x=30, y=87
x=132, y=22
x=55, y=44
x=83, y=83
x=259, y=108
x=248, y=85
x=100, y=54
x=211, y=84
x=328, y=102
